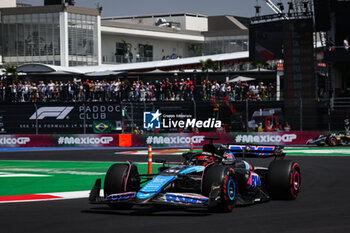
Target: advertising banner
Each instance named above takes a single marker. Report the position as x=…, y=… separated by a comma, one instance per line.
x=275, y=138
x=69, y=140
x=87, y=140
x=172, y=140
x=27, y=141
x=184, y=139
x=48, y=118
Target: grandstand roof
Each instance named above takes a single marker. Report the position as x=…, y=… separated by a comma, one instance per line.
x=85, y=70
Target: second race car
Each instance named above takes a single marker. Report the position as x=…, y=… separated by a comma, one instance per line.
x=334, y=139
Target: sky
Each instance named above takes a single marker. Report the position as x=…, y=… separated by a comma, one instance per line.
x=147, y=7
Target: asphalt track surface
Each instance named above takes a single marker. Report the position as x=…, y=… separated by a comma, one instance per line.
x=322, y=206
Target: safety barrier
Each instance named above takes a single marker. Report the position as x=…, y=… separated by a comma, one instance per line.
x=173, y=140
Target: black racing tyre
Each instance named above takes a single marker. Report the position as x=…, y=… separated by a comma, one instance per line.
x=283, y=179
x=332, y=140
x=223, y=176
x=115, y=180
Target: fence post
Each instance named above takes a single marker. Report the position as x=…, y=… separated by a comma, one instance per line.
x=84, y=122
x=278, y=86
x=149, y=159
x=123, y=113
x=132, y=117
x=195, y=112
x=246, y=114
x=329, y=118
x=301, y=113
x=36, y=120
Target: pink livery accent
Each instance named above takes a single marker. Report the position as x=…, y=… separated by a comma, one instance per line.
x=253, y=181
x=127, y=176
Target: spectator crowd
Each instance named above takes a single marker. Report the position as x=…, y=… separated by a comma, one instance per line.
x=117, y=90
x=239, y=91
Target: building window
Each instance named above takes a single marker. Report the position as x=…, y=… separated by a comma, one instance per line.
x=119, y=49
x=119, y=52
x=146, y=52
x=225, y=45
x=30, y=38
x=82, y=39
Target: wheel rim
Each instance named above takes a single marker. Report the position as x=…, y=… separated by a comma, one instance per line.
x=231, y=189
x=296, y=180
x=333, y=141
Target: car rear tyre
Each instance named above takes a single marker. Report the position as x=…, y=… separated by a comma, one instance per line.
x=223, y=178
x=283, y=179
x=119, y=180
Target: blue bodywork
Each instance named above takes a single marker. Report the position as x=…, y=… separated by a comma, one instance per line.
x=157, y=184
x=318, y=140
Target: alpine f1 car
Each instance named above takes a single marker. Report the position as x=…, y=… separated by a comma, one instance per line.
x=334, y=139
x=218, y=178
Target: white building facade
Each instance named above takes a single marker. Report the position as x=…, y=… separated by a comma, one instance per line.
x=56, y=34
x=66, y=35
x=155, y=37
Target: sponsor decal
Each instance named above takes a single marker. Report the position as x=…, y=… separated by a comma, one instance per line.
x=191, y=123
x=174, y=139
x=59, y=112
x=254, y=180
x=252, y=149
x=84, y=140
x=70, y=118
x=184, y=199
x=153, y=120
x=14, y=141
x=265, y=138
x=121, y=196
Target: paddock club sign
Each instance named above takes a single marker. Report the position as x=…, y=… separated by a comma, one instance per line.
x=57, y=118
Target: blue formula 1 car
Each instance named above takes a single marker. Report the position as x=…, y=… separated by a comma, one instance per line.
x=215, y=178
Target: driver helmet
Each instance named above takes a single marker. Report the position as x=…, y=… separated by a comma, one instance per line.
x=229, y=155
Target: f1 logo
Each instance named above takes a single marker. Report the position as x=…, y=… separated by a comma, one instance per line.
x=151, y=120
x=58, y=112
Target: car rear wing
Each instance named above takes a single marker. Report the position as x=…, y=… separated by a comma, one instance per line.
x=253, y=151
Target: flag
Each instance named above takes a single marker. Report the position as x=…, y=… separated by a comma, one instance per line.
x=101, y=126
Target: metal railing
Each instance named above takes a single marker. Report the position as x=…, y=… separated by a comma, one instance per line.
x=340, y=102
x=301, y=114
